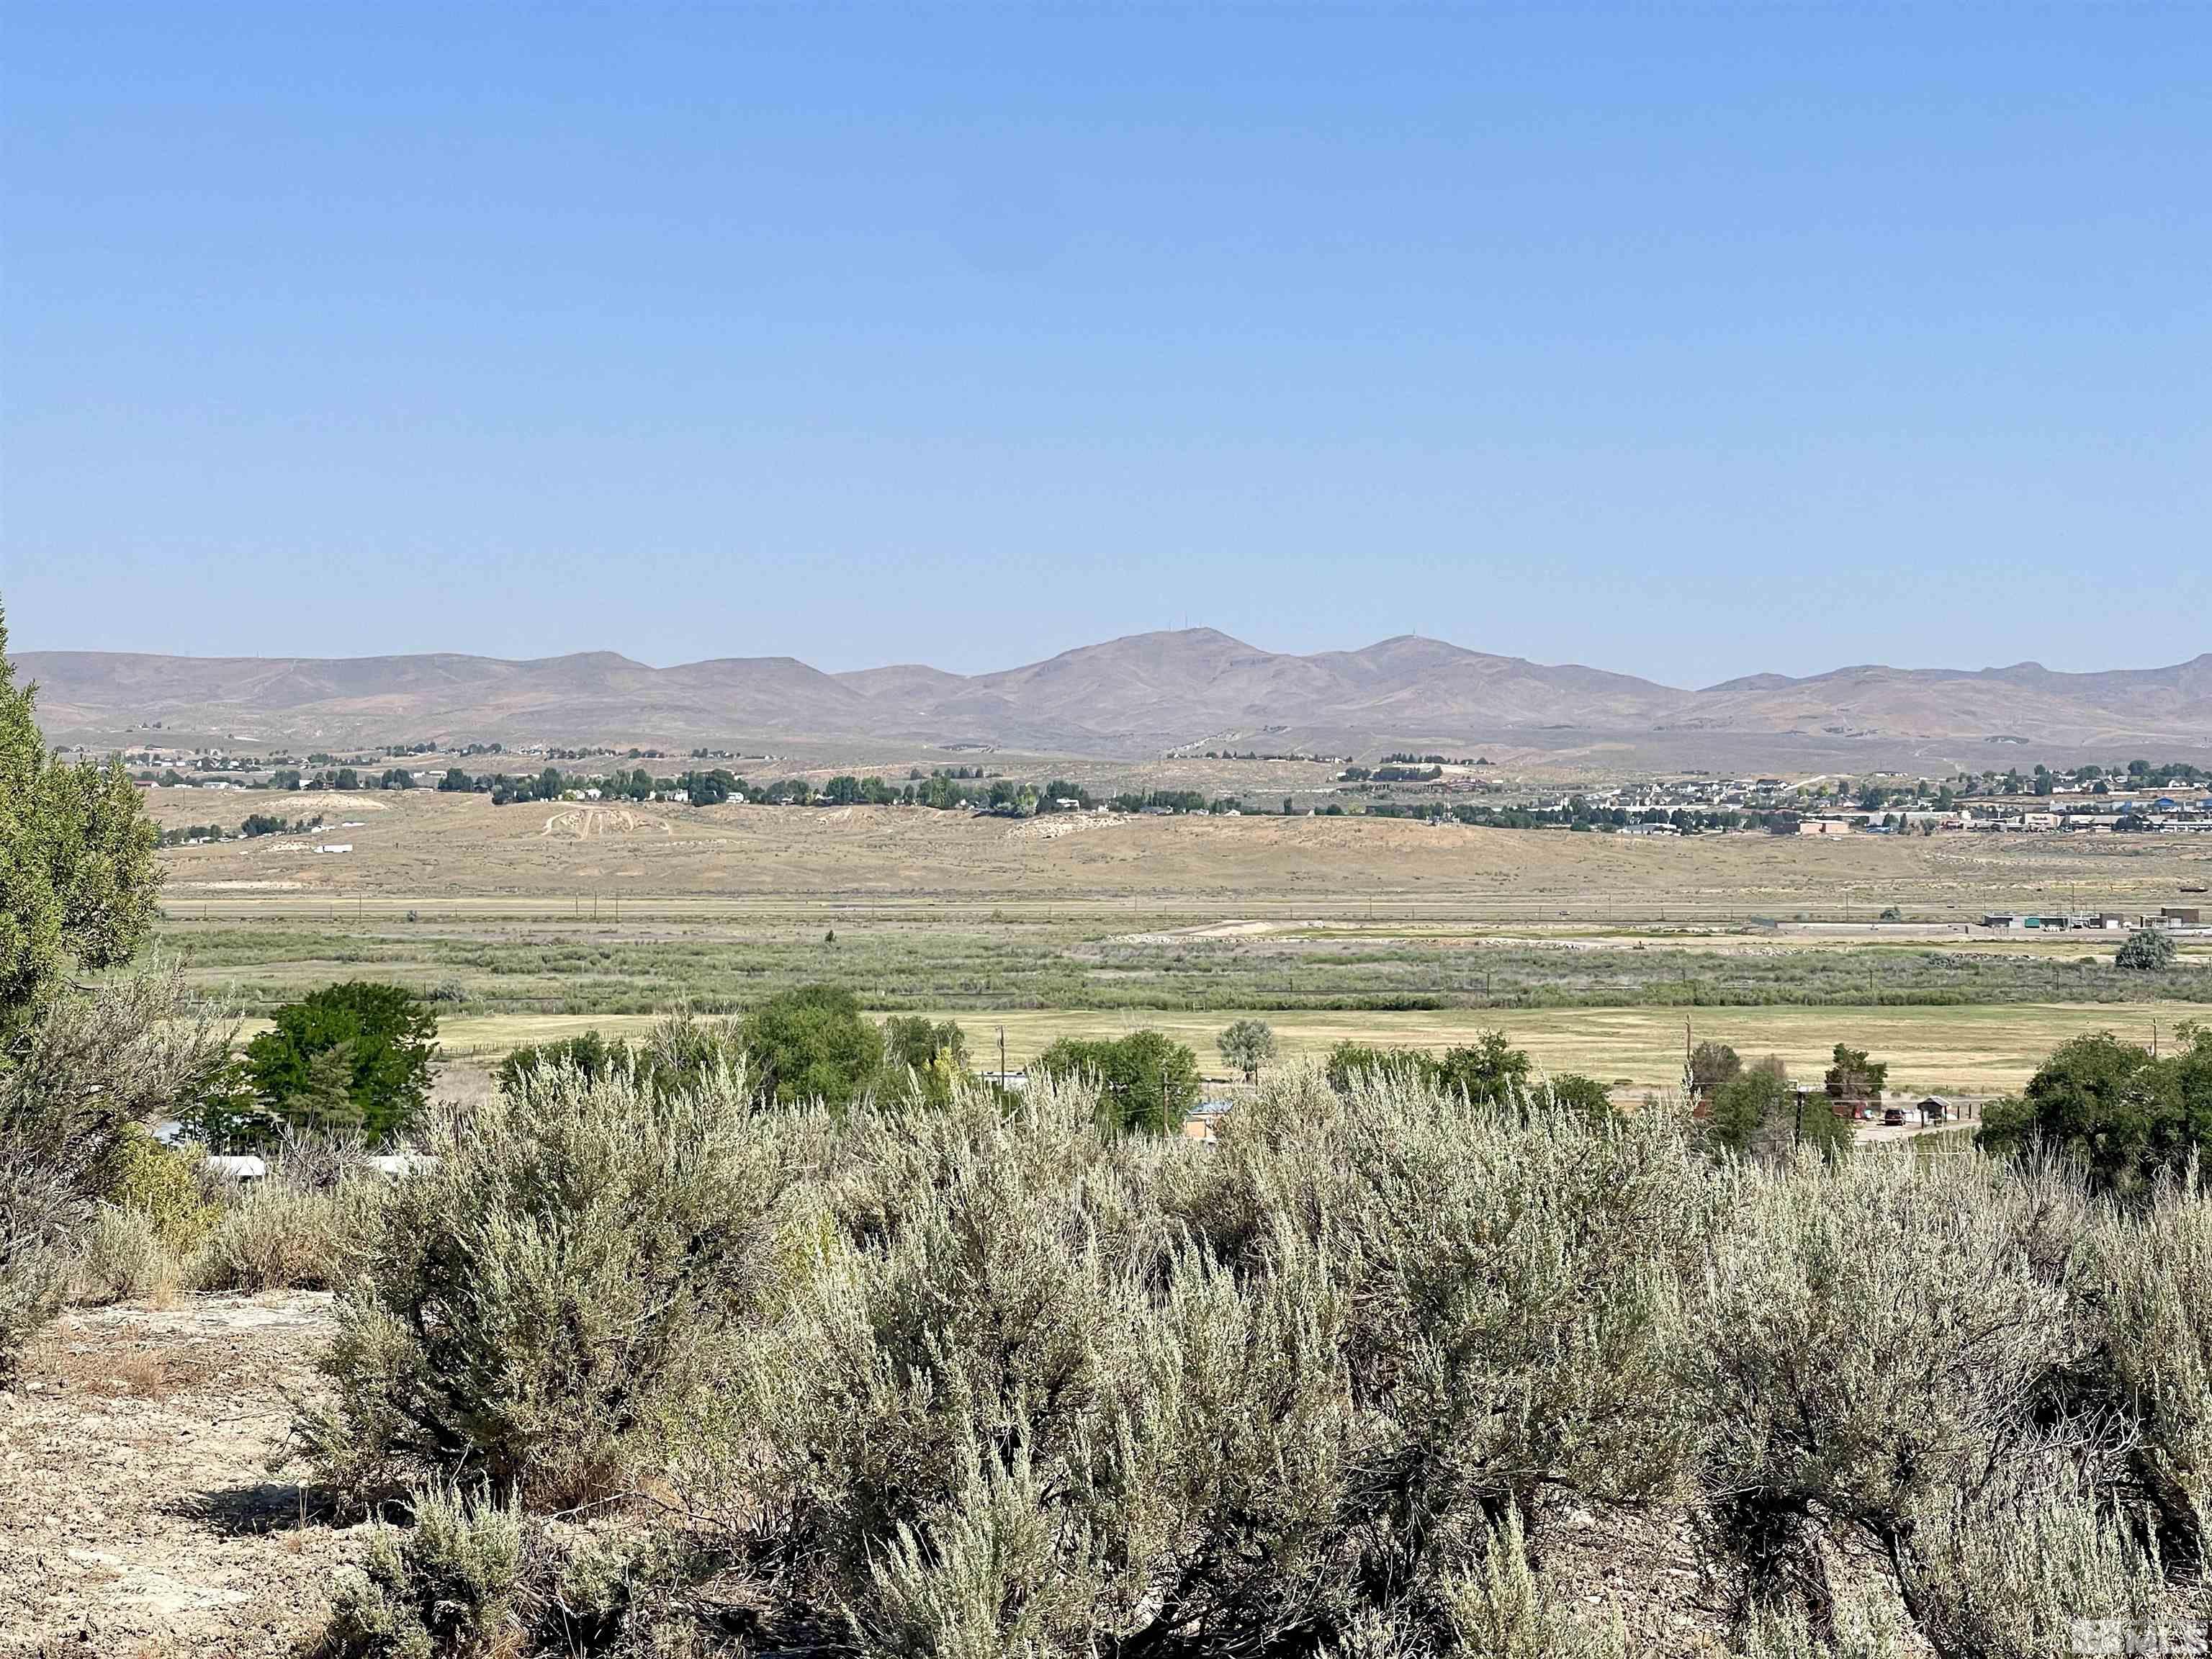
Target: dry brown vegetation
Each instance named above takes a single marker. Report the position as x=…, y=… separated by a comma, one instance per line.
x=429, y=851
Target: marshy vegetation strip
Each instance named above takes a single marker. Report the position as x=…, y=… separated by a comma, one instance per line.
x=609, y=970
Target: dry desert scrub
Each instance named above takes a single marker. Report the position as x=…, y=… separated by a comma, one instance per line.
x=276, y=1236
x=983, y=1380
x=122, y=1257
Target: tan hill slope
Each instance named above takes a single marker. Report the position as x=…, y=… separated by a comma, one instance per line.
x=1128, y=697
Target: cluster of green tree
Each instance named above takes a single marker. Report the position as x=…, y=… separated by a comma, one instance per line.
x=1145, y=1080
x=1579, y=815
x=2098, y=780
x=1061, y=796
x=2125, y=1114
x=191, y=833
x=1757, y=1111
x=845, y=790
x=802, y=1045
x=939, y=790
x=1407, y=773
x=1489, y=1071
x=551, y=784
x=1164, y=800
x=355, y=1058
x=268, y=823
x=290, y=779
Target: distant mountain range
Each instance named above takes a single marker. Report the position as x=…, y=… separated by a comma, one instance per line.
x=1136, y=696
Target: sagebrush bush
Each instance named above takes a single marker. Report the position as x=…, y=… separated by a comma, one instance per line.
x=2154, y=1281
x=2006, y=1571
x=38, y=1213
x=533, y=1302
x=444, y=1587
x=1867, y=1624
x=277, y=1236
x=1867, y=1338
x=1499, y=1607
x=98, y=1063
x=122, y=1257
x=1045, y=1386
x=470, y=1576
x=973, y=1376
x=1005, y=1393
x=88, y=1068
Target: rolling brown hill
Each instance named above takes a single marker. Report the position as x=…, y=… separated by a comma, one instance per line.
x=1132, y=697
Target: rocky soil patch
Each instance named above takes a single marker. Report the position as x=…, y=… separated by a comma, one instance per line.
x=139, y=1517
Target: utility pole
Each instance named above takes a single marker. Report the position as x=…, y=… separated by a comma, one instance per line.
x=1002, y=1057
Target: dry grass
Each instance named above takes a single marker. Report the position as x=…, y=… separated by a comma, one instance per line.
x=446, y=854
x=737, y=875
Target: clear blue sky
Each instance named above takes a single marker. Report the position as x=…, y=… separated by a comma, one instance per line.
x=1689, y=340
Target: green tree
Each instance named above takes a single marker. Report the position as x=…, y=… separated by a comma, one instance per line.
x=1247, y=1045
x=913, y=1043
x=1853, y=1079
x=1574, y=1092
x=1489, y=1072
x=78, y=877
x=2122, y=1114
x=1759, y=1113
x=2147, y=950
x=1349, y=1063
x=325, y=1100
x=1712, y=1065
x=391, y=1043
x=1147, y=1080
x=1746, y=1104
x=590, y=1055
x=811, y=1044
x=923, y=1058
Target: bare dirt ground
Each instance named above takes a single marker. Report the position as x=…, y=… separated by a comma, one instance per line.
x=138, y=1517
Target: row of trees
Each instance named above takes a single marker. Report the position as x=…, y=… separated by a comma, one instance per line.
x=1580, y=814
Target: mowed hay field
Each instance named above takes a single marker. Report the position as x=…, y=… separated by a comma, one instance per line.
x=459, y=855
x=1963, y=1050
